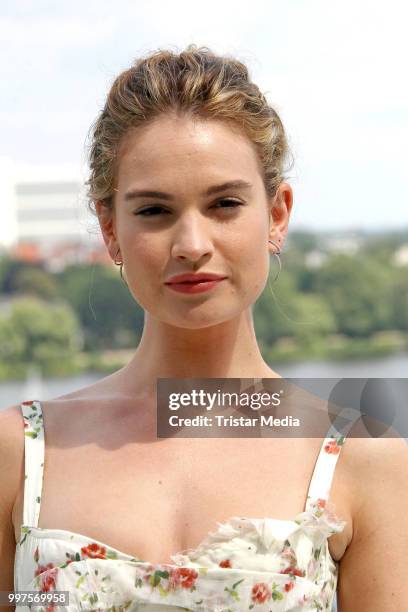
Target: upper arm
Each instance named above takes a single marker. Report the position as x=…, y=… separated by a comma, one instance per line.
x=11, y=475
x=373, y=570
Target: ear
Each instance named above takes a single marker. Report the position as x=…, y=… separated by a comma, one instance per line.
x=106, y=218
x=280, y=207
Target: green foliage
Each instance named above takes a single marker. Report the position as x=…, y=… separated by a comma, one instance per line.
x=26, y=278
x=283, y=311
x=398, y=299
x=302, y=241
x=275, y=309
x=35, y=281
x=109, y=315
x=35, y=331
x=351, y=305
x=357, y=292
x=314, y=319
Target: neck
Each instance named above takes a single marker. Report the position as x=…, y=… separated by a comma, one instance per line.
x=225, y=350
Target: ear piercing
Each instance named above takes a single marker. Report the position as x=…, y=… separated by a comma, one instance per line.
x=277, y=253
x=277, y=246
x=120, y=263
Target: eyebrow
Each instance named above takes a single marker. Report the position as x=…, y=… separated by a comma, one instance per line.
x=147, y=193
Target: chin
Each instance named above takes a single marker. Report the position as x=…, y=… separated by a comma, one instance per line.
x=195, y=320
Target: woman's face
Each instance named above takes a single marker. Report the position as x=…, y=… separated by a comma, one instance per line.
x=190, y=227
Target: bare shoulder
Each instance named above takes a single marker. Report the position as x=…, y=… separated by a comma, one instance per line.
x=380, y=464
x=11, y=478
x=11, y=457
x=109, y=385
x=91, y=406
x=97, y=389
x=378, y=469
x=11, y=443
x=384, y=455
x=104, y=391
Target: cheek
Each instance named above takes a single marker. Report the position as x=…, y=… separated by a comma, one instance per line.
x=256, y=270
x=144, y=278
x=253, y=243
x=144, y=264
x=249, y=265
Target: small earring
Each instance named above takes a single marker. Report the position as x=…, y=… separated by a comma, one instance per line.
x=277, y=253
x=120, y=263
x=117, y=263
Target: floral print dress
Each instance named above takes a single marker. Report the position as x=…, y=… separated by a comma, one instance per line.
x=259, y=564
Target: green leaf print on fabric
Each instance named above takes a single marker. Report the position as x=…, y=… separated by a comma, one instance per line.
x=233, y=592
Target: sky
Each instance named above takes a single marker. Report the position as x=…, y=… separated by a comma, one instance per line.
x=334, y=71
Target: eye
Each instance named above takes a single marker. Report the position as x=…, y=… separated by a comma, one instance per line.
x=234, y=203
x=148, y=210
x=152, y=210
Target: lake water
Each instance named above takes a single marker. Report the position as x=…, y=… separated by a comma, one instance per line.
x=394, y=366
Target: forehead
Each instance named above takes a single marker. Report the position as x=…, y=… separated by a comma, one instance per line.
x=177, y=146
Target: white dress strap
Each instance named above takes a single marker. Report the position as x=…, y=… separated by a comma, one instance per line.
x=33, y=461
x=320, y=483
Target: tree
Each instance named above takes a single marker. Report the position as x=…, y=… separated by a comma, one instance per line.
x=35, y=281
x=399, y=301
x=35, y=331
x=109, y=315
x=357, y=291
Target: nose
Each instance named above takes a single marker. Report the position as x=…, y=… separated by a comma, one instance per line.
x=191, y=241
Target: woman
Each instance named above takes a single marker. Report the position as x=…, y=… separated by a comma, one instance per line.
x=187, y=177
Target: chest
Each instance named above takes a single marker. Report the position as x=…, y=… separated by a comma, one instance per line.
x=153, y=499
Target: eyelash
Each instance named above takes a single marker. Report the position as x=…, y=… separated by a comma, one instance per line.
x=141, y=212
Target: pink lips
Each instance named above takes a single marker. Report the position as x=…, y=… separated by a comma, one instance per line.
x=194, y=278
x=194, y=283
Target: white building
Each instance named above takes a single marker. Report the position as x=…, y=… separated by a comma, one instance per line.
x=48, y=212
x=400, y=257
x=8, y=225
x=341, y=243
x=315, y=258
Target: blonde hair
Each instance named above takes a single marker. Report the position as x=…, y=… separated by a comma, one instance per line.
x=195, y=82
